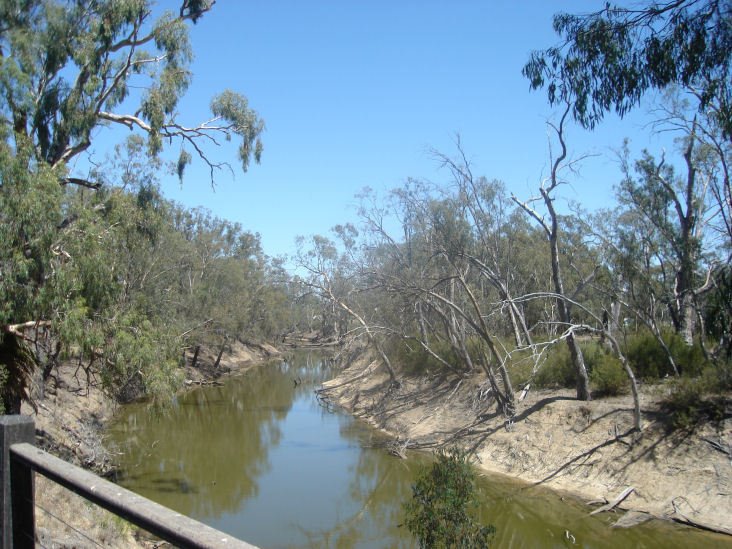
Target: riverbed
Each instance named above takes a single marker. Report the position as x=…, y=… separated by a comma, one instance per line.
x=260, y=458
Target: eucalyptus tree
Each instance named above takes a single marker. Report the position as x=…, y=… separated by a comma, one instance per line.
x=608, y=59
x=639, y=281
x=552, y=230
x=68, y=69
x=336, y=278
x=486, y=207
x=684, y=209
x=437, y=284
x=675, y=210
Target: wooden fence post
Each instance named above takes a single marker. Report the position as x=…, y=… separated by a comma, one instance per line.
x=16, y=506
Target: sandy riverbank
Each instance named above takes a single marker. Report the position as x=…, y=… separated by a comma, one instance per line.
x=580, y=447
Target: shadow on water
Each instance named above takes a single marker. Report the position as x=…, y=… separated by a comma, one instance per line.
x=261, y=459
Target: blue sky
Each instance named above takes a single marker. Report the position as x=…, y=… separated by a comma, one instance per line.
x=354, y=94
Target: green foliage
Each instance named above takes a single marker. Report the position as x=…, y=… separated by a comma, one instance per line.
x=234, y=109
x=718, y=308
x=108, y=269
x=608, y=377
x=646, y=356
x=690, y=359
x=649, y=360
x=122, y=273
x=606, y=371
x=68, y=67
x=608, y=59
x=414, y=360
x=438, y=514
x=692, y=401
x=30, y=211
x=142, y=360
x=557, y=370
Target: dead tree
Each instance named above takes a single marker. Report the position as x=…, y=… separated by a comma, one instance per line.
x=552, y=230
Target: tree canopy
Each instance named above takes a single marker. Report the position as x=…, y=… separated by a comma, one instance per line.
x=607, y=60
x=69, y=67
x=81, y=270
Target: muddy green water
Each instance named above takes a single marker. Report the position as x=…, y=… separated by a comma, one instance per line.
x=259, y=458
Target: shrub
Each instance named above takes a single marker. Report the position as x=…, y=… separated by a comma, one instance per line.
x=689, y=359
x=689, y=402
x=521, y=366
x=414, y=360
x=646, y=356
x=437, y=514
x=557, y=370
x=650, y=361
x=608, y=377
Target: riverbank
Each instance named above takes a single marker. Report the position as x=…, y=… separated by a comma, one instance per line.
x=70, y=417
x=583, y=448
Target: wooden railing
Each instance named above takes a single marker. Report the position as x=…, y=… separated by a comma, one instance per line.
x=20, y=459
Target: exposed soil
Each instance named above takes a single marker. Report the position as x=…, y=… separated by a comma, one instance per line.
x=70, y=416
x=585, y=448
x=580, y=447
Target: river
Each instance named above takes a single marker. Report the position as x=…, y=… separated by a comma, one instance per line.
x=261, y=459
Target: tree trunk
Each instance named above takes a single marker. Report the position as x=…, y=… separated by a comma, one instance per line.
x=637, y=420
x=578, y=360
x=687, y=317
x=514, y=325
x=221, y=352
x=194, y=360
x=614, y=325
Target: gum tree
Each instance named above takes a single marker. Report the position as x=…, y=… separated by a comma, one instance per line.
x=67, y=69
x=608, y=59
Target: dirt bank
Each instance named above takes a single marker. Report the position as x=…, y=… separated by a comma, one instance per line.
x=70, y=416
x=580, y=447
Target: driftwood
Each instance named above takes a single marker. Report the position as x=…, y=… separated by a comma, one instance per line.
x=632, y=518
x=679, y=516
x=683, y=519
x=720, y=447
x=398, y=448
x=607, y=507
x=202, y=382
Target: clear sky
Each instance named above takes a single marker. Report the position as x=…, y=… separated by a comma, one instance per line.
x=355, y=93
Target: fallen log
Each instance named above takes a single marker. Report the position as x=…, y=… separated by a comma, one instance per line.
x=681, y=517
x=202, y=382
x=632, y=518
x=624, y=494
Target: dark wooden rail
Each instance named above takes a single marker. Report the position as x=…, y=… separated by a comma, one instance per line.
x=20, y=459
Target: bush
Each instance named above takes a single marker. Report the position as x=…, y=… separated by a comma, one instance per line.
x=557, y=370
x=649, y=360
x=689, y=402
x=608, y=377
x=689, y=359
x=521, y=367
x=415, y=361
x=437, y=514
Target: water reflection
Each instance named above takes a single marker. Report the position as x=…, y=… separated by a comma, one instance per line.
x=260, y=459
x=204, y=456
